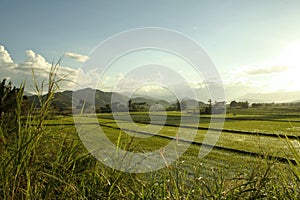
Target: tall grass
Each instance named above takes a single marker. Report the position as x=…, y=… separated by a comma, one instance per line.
x=39, y=162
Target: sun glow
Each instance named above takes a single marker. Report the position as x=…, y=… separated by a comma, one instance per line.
x=278, y=74
x=290, y=58
x=291, y=55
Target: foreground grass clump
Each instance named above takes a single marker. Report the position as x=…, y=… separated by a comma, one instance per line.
x=59, y=167
x=50, y=162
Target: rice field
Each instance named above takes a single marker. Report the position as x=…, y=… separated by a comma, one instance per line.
x=244, y=136
x=251, y=159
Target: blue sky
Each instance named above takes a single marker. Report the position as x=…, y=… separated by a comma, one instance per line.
x=249, y=41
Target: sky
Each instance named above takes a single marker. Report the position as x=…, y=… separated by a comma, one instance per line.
x=255, y=45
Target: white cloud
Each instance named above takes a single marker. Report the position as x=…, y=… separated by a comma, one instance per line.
x=5, y=59
x=19, y=72
x=87, y=79
x=34, y=62
x=264, y=70
x=77, y=57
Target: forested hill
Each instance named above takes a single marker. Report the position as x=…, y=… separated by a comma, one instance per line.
x=108, y=101
x=63, y=100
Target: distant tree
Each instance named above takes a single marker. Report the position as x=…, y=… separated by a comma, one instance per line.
x=233, y=104
x=208, y=108
x=130, y=104
x=246, y=105
x=183, y=105
x=108, y=108
x=9, y=106
x=139, y=107
x=257, y=105
x=209, y=102
x=173, y=107
x=219, y=107
x=178, y=107
x=8, y=98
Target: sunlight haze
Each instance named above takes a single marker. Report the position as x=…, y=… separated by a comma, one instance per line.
x=255, y=45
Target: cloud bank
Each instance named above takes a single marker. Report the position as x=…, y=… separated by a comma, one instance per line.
x=19, y=72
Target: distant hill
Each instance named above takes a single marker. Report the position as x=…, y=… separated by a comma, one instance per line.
x=191, y=103
x=150, y=101
x=277, y=97
x=63, y=100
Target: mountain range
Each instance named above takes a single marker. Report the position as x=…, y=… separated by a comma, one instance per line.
x=276, y=97
x=63, y=100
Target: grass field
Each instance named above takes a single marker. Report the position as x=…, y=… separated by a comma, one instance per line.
x=255, y=151
x=258, y=136
x=251, y=159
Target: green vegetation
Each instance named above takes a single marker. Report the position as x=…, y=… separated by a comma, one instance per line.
x=43, y=157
